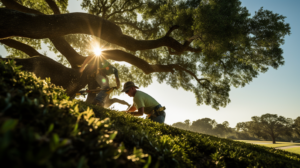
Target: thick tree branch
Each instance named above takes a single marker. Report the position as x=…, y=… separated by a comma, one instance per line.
x=11, y=4
x=51, y=26
x=21, y=46
x=60, y=43
x=66, y=50
x=172, y=29
x=133, y=25
x=53, y=6
x=45, y=67
x=119, y=55
x=186, y=44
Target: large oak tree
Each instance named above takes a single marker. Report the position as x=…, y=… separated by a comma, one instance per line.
x=267, y=126
x=202, y=46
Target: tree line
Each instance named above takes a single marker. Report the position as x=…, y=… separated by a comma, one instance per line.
x=265, y=127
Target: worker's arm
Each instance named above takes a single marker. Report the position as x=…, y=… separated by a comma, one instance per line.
x=117, y=78
x=131, y=109
x=139, y=113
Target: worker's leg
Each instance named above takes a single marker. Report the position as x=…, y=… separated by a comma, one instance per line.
x=100, y=98
x=160, y=118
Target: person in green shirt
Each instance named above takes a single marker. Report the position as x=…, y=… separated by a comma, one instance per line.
x=144, y=104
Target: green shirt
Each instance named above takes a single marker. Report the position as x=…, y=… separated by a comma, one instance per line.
x=142, y=99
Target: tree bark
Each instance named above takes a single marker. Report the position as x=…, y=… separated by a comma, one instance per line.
x=15, y=23
x=119, y=55
x=11, y=4
x=21, y=46
x=66, y=50
x=60, y=43
x=53, y=6
x=44, y=67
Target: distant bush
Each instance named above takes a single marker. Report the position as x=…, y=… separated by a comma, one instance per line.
x=40, y=127
x=231, y=137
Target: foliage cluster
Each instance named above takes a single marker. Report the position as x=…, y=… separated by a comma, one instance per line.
x=40, y=127
x=266, y=127
x=173, y=146
x=223, y=45
x=206, y=126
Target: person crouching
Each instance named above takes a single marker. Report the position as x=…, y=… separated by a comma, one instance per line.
x=144, y=104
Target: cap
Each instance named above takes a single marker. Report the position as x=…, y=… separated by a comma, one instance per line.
x=128, y=85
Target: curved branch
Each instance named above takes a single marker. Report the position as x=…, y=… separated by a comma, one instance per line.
x=60, y=43
x=51, y=26
x=66, y=50
x=21, y=46
x=53, y=6
x=45, y=67
x=119, y=55
x=172, y=29
x=186, y=44
x=134, y=25
x=11, y=4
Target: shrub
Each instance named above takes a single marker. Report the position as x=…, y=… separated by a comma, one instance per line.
x=41, y=127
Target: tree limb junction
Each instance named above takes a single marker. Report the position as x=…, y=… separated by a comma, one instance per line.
x=50, y=26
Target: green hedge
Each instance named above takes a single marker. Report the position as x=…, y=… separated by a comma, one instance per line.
x=39, y=126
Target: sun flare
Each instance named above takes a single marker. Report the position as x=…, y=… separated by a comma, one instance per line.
x=97, y=51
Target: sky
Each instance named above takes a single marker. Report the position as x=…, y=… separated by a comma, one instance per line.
x=275, y=92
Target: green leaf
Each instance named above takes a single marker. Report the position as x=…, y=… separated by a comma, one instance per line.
x=50, y=128
x=9, y=125
x=148, y=162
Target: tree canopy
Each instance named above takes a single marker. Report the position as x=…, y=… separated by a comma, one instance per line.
x=267, y=125
x=296, y=126
x=202, y=46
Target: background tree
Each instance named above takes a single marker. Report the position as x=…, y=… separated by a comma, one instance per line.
x=222, y=129
x=188, y=124
x=251, y=128
x=268, y=125
x=183, y=125
x=201, y=46
x=204, y=125
x=296, y=126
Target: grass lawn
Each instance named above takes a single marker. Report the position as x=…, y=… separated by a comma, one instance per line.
x=294, y=150
x=269, y=143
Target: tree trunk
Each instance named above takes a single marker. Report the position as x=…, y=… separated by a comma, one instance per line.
x=44, y=67
x=273, y=139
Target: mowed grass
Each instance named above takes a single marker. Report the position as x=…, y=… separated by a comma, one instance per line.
x=293, y=150
x=270, y=143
